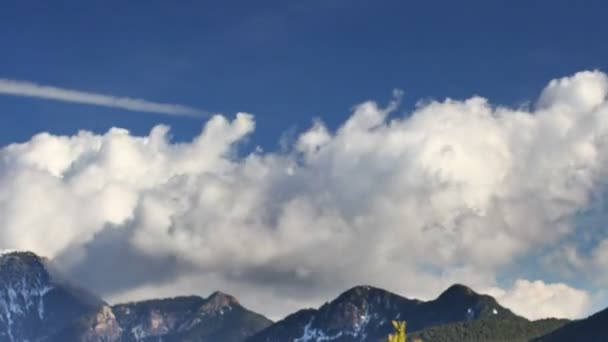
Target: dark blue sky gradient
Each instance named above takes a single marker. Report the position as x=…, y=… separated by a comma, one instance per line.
x=284, y=61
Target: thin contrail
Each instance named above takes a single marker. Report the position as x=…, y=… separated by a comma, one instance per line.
x=30, y=89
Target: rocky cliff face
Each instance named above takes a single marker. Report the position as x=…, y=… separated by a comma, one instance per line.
x=98, y=326
x=220, y=317
x=153, y=318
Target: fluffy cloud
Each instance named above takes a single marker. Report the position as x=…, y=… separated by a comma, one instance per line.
x=454, y=191
x=536, y=299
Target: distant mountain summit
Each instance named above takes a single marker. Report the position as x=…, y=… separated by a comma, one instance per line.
x=38, y=305
x=35, y=303
x=460, y=303
x=364, y=313
x=220, y=317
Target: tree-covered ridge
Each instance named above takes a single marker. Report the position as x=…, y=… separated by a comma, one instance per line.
x=592, y=328
x=364, y=313
x=505, y=329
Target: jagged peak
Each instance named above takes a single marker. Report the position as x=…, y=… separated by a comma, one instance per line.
x=218, y=302
x=221, y=296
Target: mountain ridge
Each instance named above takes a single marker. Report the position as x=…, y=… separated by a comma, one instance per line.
x=591, y=328
x=37, y=303
x=365, y=312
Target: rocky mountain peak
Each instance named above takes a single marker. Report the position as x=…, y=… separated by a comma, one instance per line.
x=353, y=308
x=364, y=313
x=460, y=302
x=157, y=317
x=219, y=317
x=22, y=265
x=24, y=282
x=222, y=298
x=219, y=303
x=35, y=302
x=365, y=295
x=457, y=291
x=359, y=291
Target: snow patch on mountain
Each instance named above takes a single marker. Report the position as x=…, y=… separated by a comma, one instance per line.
x=20, y=299
x=311, y=334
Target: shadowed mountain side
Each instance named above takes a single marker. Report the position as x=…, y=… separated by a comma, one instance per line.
x=38, y=303
x=592, y=328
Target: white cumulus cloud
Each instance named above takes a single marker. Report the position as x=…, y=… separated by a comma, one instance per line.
x=454, y=191
x=537, y=299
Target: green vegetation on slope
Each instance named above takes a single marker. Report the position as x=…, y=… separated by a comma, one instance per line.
x=592, y=328
x=508, y=329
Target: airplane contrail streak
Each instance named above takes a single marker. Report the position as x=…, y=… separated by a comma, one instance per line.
x=30, y=89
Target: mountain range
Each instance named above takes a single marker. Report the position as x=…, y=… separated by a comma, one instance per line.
x=37, y=303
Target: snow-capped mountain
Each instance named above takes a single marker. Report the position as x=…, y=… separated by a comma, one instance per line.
x=364, y=313
x=36, y=304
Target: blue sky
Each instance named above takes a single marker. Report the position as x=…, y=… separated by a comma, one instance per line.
x=507, y=202
x=284, y=61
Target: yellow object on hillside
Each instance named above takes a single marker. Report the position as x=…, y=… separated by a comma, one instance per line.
x=399, y=335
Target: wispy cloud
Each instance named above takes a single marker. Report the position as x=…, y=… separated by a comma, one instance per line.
x=30, y=89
